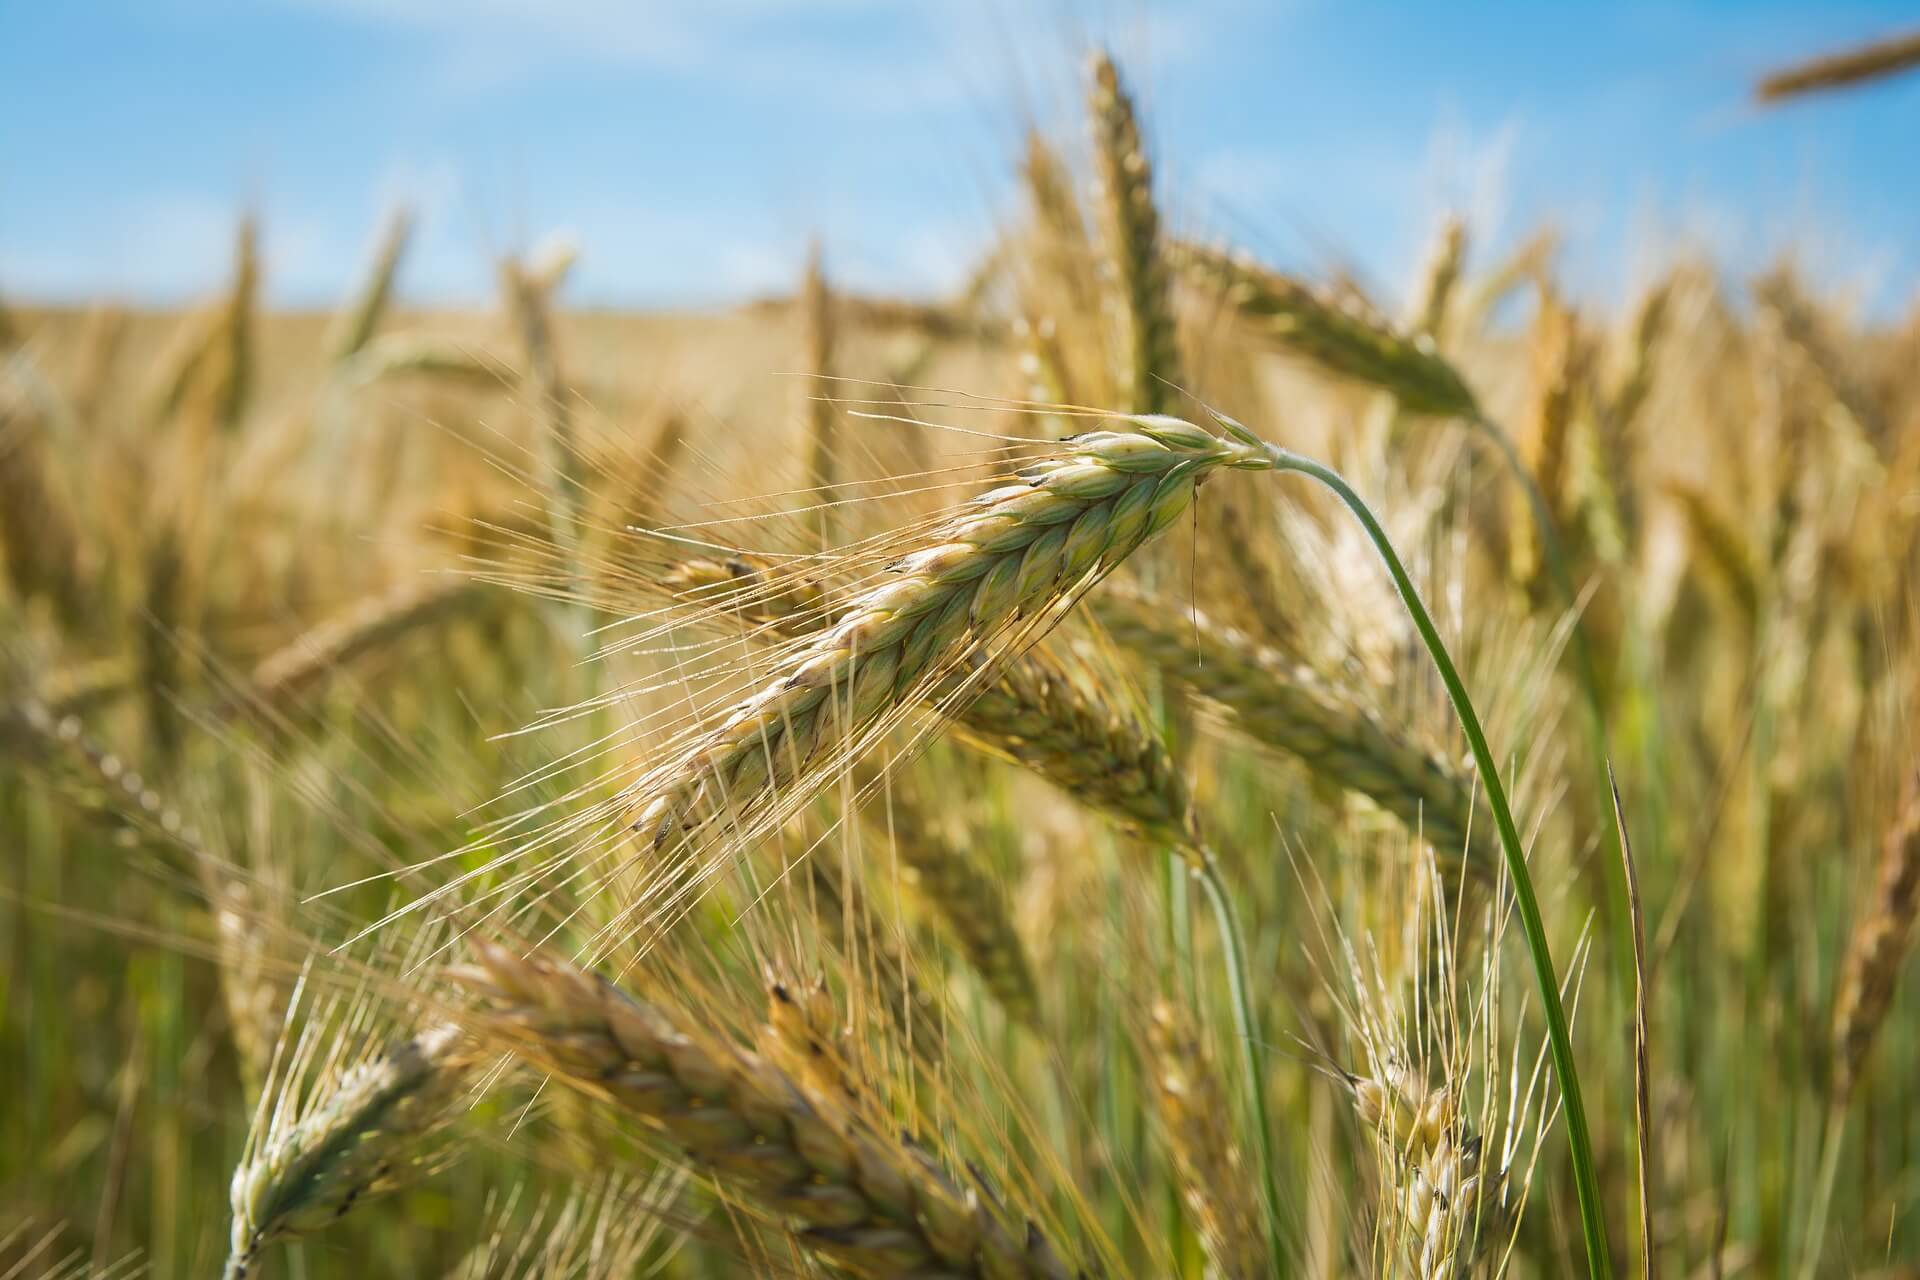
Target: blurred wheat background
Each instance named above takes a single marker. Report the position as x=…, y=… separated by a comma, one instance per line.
x=909, y=783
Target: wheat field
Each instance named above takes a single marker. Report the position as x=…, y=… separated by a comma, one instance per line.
x=1149, y=766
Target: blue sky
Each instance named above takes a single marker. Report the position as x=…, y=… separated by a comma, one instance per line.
x=693, y=148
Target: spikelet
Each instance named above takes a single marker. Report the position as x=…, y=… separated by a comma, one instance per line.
x=1447, y=1202
x=1882, y=936
x=810, y=1157
x=355, y=325
x=1018, y=554
x=1344, y=339
x=1149, y=368
x=1291, y=708
x=1215, y=1180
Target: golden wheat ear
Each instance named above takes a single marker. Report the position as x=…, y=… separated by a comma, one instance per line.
x=1019, y=552
x=809, y=1157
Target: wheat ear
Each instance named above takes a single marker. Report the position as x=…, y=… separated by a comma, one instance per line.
x=1020, y=552
x=102, y=344
x=857, y=1198
x=229, y=371
x=971, y=903
x=98, y=781
x=354, y=1139
x=1293, y=709
x=1343, y=338
x=1214, y=1180
x=1866, y=62
x=1881, y=939
x=393, y=355
x=1149, y=370
x=1439, y=282
x=1043, y=713
x=817, y=338
x=356, y=324
x=366, y=627
x=39, y=539
x=843, y=913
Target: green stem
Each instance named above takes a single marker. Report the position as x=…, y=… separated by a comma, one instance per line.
x=1253, y=1050
x=1555, y=556
x=1823, y=1192
x=1560, y=1043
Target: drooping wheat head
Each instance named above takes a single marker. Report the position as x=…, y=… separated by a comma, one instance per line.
x=1013, y=559
x=1344, y=339
x=811, y=1158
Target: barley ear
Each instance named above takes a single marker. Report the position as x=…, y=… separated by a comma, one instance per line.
x=1149, y=369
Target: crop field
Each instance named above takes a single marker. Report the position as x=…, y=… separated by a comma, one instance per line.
x=1151, y=765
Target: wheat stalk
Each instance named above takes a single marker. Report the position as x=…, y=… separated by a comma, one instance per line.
x=808, y=1156
x=1019, y=553
x=1342, y=338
